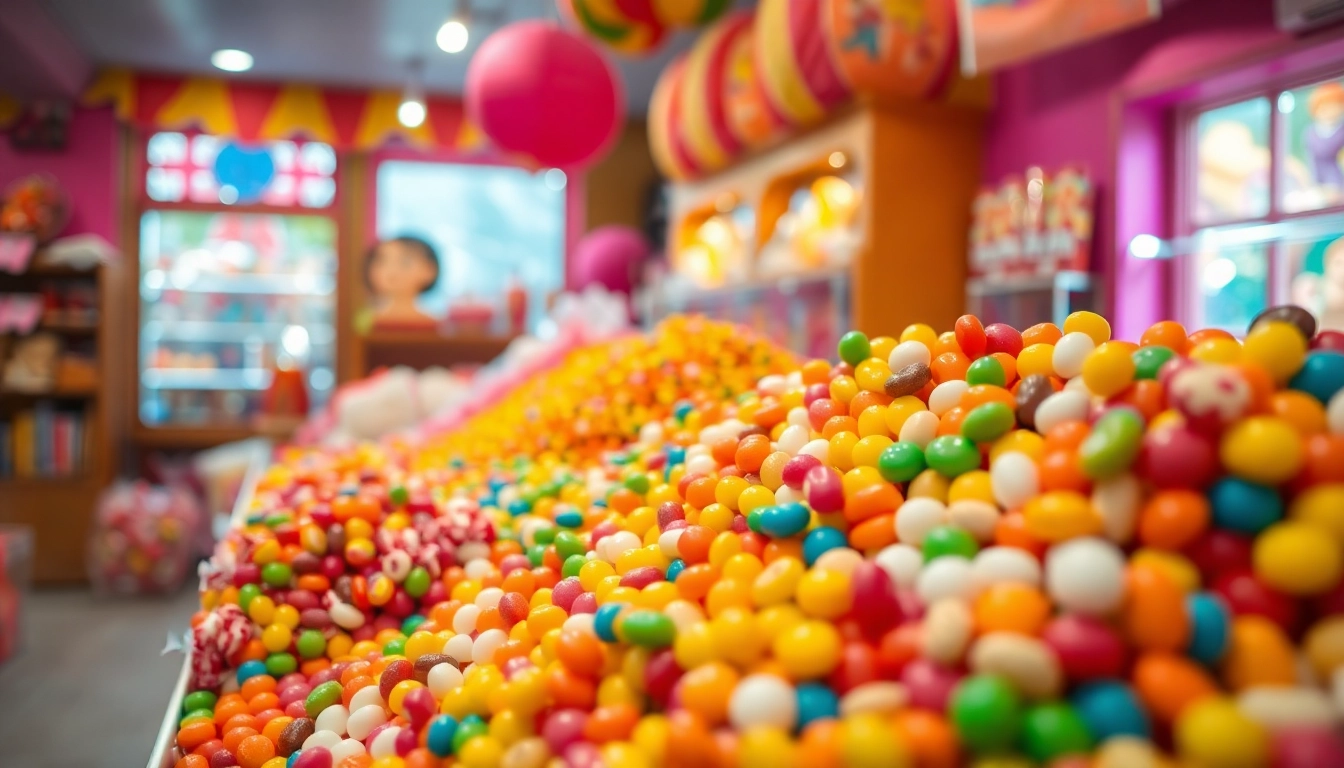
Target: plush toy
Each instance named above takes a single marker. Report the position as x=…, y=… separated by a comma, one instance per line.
x=32, y=367
x=35, y=205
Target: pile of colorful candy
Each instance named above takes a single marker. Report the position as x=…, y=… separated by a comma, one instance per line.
x=146, y=539
x=987, y=547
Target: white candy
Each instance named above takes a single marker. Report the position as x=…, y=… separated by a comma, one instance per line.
x=1070, y=352
x=1027, y=662
x=1334, y=413
x=920, y=428
x=839, y=560
x=1277, y=708
x=346, y=616
x=1086, y=576
x=489, y=641
x=684, y=613
x=478, y=568
x=818, y=449
x=1005, y=565
x=907, y=353
x=1117, y=501
x=347, y=748
x=763, y=700
x=464, y=621
x=1059, y=408
x=459, y=647
x=368, y=696
x=667, y=542
x=946, y=396
x=977, y=518
x=797, y=417
x=323, y=739
x=1014, y=479
x=902, y=563
x=916, y=517
x=880, y=697
x=580, y=622
x=651, y=434
x=364, y=720
x=472, y=551
x=948, y=628
x=787, y=495
x=699, y=449
x=793, y=438
x=385, y=743
x=793, y=380
x=1078, y=385
x=332, y=719
x=617, y=544
x=946, y=577
x=443, y=678
x=489, y=597
x=772, y=384
x=701, y=465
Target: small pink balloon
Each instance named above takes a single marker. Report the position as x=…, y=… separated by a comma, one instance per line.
x=609, y=257
x=537, y=89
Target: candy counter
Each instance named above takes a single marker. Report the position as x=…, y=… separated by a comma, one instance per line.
x=688, y=547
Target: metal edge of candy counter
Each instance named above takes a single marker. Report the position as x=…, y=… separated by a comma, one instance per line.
x=162, y=754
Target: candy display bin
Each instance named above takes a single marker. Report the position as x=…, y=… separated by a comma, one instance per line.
x=16, y=571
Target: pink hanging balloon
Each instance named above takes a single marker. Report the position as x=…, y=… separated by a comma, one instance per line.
x=537, y=89
x=609, y=256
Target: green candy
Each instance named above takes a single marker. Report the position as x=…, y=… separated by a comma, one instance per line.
x=639, y=483
x=568, y=544
x=1113, y=444
x=544, y=535
x=417, y=582
x=201, y=714
x=199, y=700
x=276, y=574
x=987, y=713
x=466, y=731
x=1148, y=361
x=651, y=629
x=854, y=348
x=323, y=696
x=988, y=422
x=535, y=554
x=952, y=455
x=1053, y=730
x=398, y=495
x=395, y=647
x=986, y=370
x=246, y=594
x=411, y=624
x=901, y=462
x=948, y=540
x=281, y=664
x=311, y=644
x=572, y=565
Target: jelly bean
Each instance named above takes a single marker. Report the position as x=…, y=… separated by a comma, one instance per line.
x=987, y=713
x=1113, y=444
x=1109, y=709
x=1214, y=732
x=1053, y=730
x=765, y=700
x=952, y=456
x=1086, y=576
x=1298, y=558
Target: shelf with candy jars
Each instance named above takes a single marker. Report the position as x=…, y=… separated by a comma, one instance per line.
x=819, y=140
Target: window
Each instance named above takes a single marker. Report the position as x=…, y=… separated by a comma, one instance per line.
x=1264, y=207
x=208, y=169
x=490, y=225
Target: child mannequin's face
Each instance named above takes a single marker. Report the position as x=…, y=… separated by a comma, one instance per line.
x=400, y=271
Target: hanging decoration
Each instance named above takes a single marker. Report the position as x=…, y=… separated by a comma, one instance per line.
x=547, y=93
x=345, y=119
x=893, y=49
x=666, y=142
x=708, y=133
x=638, y=27
x=752, y=119
x=800, y=75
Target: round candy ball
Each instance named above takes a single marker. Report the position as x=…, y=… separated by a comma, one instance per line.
x=539, y=90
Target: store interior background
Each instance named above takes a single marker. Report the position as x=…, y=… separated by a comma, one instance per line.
x=1123, y=108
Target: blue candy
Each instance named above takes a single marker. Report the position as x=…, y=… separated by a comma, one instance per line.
x=250, y=669
x=821, y=540
x=439, y=739
x=604, y=621
x=1209, y=627
x=569, y=519
x=816, y=702
x=784, y=520
x=1244, y=507
x=1321, y=375
x=674, y=569
x=519, y=507
x=1111, y=709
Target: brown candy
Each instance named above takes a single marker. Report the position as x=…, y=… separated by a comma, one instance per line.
x=315, y=618
x=430, y=661
x=1289, y=313
x=1030, y=394
x=336, y=539
x=305, y=562
x=292, y=738
x=908, y=380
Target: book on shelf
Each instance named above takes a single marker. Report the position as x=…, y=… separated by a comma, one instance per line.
x=45, y=441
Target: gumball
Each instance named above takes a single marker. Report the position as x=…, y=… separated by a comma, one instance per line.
x=987, y=713
x=1215, y=732
x=1278, y=347
x=1298, y=558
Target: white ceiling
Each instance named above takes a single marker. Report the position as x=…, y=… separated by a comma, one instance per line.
x=366, y=43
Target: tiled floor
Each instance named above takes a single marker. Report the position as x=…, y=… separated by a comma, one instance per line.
x=90, y=686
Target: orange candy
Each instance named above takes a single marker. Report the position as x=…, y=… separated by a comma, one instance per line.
x=879, y=499
x=1011, y=608
x=1061, y=470
x=874, y=533
x=191, y=736
x=751, y=453
x=570, y=690
x=1168, y=683
x=255, y=685
x=581, y=653
x=950, y=366
x=1299, y=409
x=1167, y=333
x=611, y=723
x=253, y=751
x=236, y=736
x=928, y=738
x=1155, y=618
x=192, y=761
x=1173, y=518
x=1042, y=333
x=706, y=690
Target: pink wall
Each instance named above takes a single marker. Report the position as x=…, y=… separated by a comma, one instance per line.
x=1069, y=108
x=86, y=168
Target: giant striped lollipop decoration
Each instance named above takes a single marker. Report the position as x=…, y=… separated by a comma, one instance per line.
x=666, y=142
x=798, y=72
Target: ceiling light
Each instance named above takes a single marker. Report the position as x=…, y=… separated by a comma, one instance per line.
x=453, y=36
x=411, y=113
x=231, y=60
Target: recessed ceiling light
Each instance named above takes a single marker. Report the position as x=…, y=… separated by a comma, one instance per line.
x=411, y=113
x=231, y=60
x=453, y=36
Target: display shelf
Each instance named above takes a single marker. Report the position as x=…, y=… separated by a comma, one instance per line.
x=58, y=393
x=1016, y=300
x=177, y=436
x=422, y=349
x=206, y=378
x=65, y=327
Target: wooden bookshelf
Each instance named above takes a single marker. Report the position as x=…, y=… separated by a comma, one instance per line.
x=60, y=509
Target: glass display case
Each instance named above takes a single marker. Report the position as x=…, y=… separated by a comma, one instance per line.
x=226, y=298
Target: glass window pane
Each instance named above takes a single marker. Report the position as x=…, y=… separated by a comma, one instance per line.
x=1231, y=283
x=208, y=169
x=1312, y=171
x=487, y=223
x=1232, y=162
x=1314, y=262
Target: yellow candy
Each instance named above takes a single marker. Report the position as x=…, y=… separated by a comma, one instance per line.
x=1277, y=346
x=593, y=572
x=867, y=450
x=974, y=486
x=735, y=631
x=767, y=747
x=1061, y=515
x=772, y=621
x=481, y=752
x=1262, y=449
x=1109, y=369
x=873, y=422
x=1324, y=646
x=843, y=389
x=509, y=727
x=1180, y=570
x=286, y=615
x=1090, y=323
x=398, y=694
x=1019, y=441
x=901, y=409
x=728, y=490
x=841, y=450
x=824, y=594
x=1213, y=733
x=1221, y=351
x=276, y=638
x=1321, y=505
x=872, y=374
x=918, y=332
x=755, y=497
x=261, y=610
x=717, y=516
x=1036, y=360
x=869, y=741
x=695, y=645
x=881, y=347
x=1298, y=558
x=809, y=650
x=778, y=582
